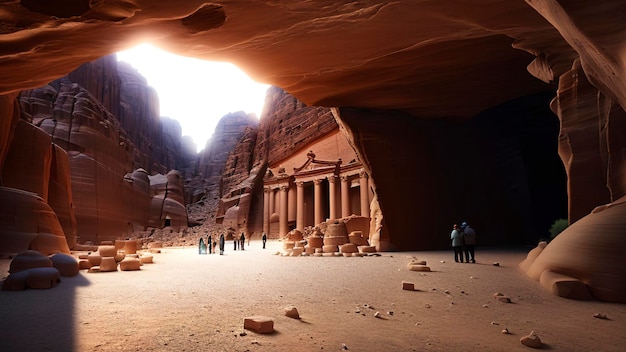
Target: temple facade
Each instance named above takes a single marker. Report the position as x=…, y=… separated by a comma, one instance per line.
x=323, y=181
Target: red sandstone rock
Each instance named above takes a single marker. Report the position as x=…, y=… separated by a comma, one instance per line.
x=129, y=264
x=65, y=264
x=29, y=259
x=259, y=324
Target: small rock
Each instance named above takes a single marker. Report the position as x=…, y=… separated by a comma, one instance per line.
x=532, y=340
x=446, y=292
x=496, y=264
x=243, y=333
x=344, y=347
x=494, y=323
x=377, y=315
x=485, y=306
x=505, y=331
x=503, y=299
x=600, y=316
x=390, y=312
x=292, y=312
x=443, y=261
x=427, y=305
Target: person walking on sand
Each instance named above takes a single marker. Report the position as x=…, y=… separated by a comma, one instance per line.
x=209, y=243
x=457, y=243
x=469, y=238
x=222, y=243
x=264, y=239
x=242, y=238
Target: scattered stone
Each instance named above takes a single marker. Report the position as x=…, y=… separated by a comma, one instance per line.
x=503, y=299
x=505, y=331
x=418, y=267
x=485, y=306
x=600, y=316
x=29, y=259
x=496, y=264
x=377, y=315
x=531, y=340
x=427, y=305
x=442, y=261
x=446, y=292
x=108, y=264
x=130, y=264
x=498, y=294
x=243, y=333
x=390, y=312
x=408, y=286
x=494, y=323
x=259, y=324
x=344, y=347
x=292, y=312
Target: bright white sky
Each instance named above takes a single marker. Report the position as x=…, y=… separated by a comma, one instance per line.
x=194, y=92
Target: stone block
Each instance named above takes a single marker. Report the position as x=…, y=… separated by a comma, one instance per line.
x=130, y=247
x=408, y=286
x=146, y=259
x=119, y=256
x=297, y=251
x=356, y=237
x=564, y=286
x=94, y=269
x=83, y=256
x=418, y=267
x=107, y=251
x=129, y=264
x=259, y=324
x=288, y=245
x=84, y=264
x=367, y=249
x=108, y=264
x=94, y=259
x=316, y=242
x=65, y=264
x=319, y=250
x=347, y=254
x=330, y=248
x=335, y=240
x=348, y=248
x=309, y=250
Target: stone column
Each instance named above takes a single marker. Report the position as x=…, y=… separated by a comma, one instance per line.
x=283, y=226
x=319, y=213
x=364, y=192
x=332, y=196
x=272, y=198
x=345, y=196
x=292, y=205
x=266, y=210
x=300, y=205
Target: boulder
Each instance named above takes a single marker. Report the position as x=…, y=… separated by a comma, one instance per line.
x=65, y=264
x=259, y=324
x=29, y=259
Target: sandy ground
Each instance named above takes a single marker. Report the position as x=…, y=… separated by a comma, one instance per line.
x=190, y=302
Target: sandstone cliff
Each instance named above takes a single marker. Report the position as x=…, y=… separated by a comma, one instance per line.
x=83, y=178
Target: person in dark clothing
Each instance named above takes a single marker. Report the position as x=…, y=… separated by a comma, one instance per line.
x=222, y=244
x=209, y=243
x=469, y=239
x=235, y=242
x=242, y=239
x=264, y=239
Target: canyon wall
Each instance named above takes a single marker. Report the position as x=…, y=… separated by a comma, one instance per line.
x=78, y=126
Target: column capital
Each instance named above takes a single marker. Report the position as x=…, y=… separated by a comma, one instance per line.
x=345, y=178
x=332, y=178
x=363, y=174
x=318, y=181
x=299, y=183
x=284, y=188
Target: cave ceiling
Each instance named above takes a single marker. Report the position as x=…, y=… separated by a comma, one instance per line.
x=429, y=58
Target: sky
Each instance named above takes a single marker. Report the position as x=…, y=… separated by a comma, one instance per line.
x=194, y=92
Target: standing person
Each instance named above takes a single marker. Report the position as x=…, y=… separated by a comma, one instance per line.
x=235, y=242
x=242, y=238
x=457, y=243
x=209, y=243
x=469, y=236
x=214, y=246
x=264, y=239
x=201, y=246
x=222, y=244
